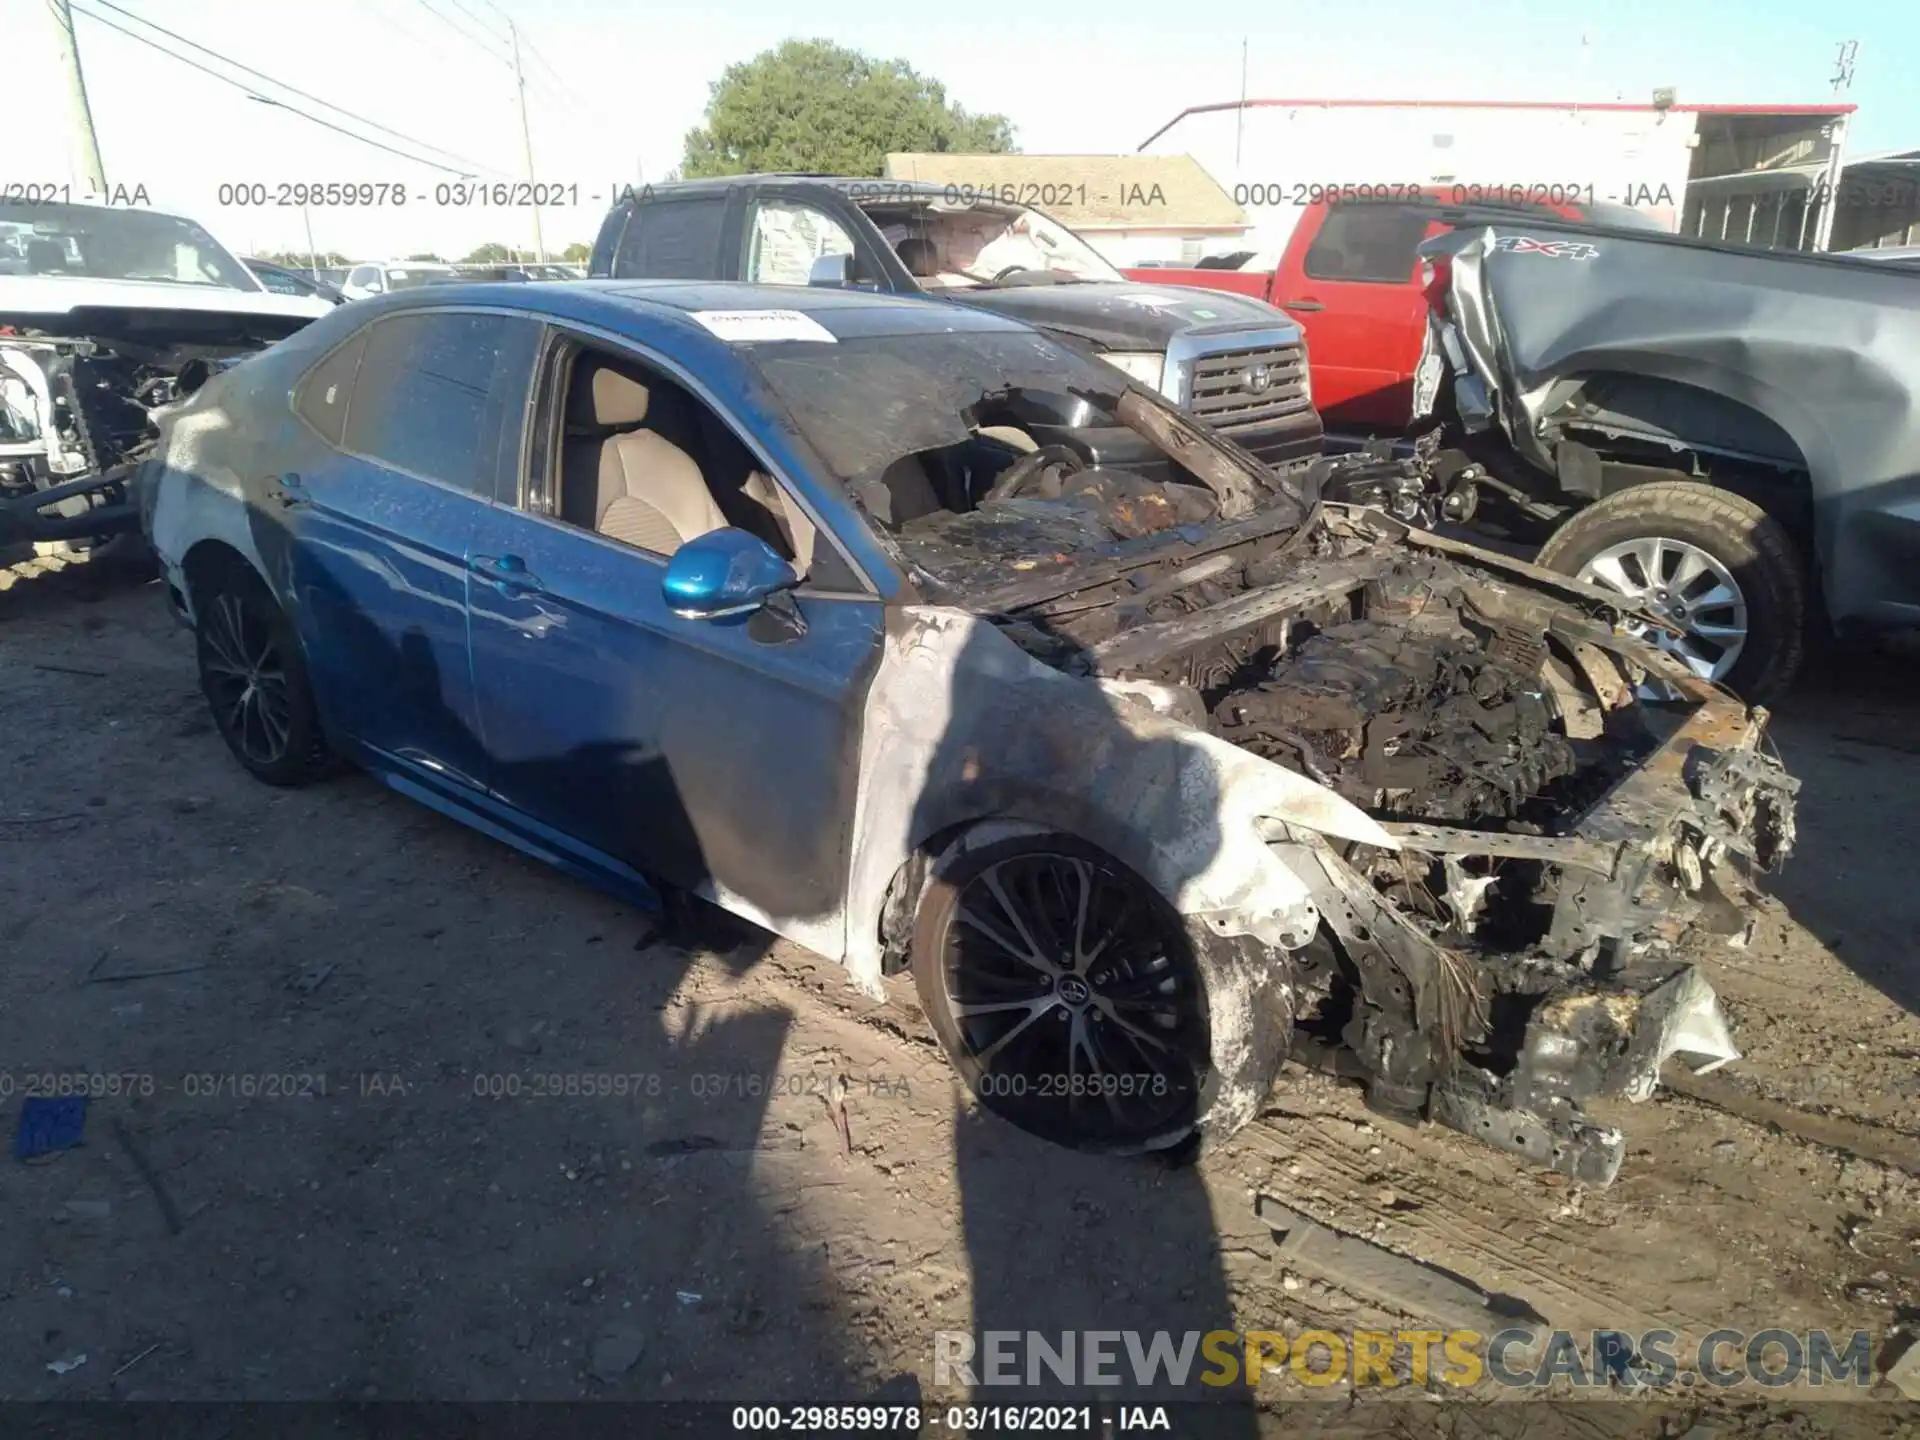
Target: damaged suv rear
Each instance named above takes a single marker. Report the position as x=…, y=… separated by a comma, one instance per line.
x=107, y=316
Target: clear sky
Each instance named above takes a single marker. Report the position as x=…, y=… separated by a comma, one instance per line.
x=617, y=85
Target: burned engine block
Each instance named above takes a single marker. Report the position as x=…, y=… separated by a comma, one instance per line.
x=1408, y=723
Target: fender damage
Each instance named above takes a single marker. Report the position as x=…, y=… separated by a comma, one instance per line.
x=1411, y=775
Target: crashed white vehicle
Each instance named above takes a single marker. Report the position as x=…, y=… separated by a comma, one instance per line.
x=107, y=315
x=937, y=646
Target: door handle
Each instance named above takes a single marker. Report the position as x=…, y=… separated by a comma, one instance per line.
x=507, y=573
x=287, y=491
x=1302, y=305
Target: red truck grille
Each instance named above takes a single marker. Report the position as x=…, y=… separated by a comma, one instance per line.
x=1236, y=388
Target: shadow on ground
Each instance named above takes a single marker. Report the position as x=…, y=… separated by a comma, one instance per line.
x=1851, y=733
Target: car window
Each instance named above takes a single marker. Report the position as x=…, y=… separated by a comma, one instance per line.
x=437, y=394
x=117, y=243
x=1375, y=243
x=787, y=238
x=322, y=396
x=673, y=240
x=361, y=276
x=277, y=281
x=680, y=469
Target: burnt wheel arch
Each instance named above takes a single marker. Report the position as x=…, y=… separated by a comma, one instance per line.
x=1225, y=1007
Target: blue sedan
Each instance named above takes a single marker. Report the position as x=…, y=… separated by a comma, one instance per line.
x=921, y=639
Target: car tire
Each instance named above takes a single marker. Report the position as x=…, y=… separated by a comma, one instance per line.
x=255, y=679
x=1739, y=538
x=1216, y=1012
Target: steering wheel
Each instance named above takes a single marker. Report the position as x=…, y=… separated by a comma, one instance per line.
x=1022, y=472
x=1010, y=270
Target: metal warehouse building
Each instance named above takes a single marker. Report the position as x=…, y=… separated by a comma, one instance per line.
x=1765, y=174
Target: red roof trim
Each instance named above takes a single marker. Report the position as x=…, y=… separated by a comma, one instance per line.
x=1614, y=105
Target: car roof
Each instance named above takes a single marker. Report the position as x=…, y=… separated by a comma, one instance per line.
x=54, y=209
x=613, y=303
x=607, y=302
x=856, y=186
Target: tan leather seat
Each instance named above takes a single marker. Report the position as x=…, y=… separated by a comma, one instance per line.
x=649, y=492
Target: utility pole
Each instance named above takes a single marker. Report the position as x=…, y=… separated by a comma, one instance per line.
x=96, y=175
x=526, y=142
x=1240, y=115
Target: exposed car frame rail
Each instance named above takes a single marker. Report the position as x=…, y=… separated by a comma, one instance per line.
x=22, y=519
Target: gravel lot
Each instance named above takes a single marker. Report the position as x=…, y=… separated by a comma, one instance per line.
x=359, y=1147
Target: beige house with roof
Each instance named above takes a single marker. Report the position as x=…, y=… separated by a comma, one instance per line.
x=1133, y=209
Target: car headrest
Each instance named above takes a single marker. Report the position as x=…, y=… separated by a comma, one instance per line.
x=919, y=256
x=45, y=255
x=608, y=399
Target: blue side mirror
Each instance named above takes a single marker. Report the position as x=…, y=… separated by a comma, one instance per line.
x=724, y=572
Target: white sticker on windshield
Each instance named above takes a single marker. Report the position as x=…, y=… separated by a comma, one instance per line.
x=740, y=326
x=1152, y=300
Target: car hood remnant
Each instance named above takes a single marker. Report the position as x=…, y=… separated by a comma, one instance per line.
x=1575, y=344
x=1496, y=945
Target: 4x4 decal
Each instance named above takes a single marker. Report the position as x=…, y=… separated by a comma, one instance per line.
x=1553, y=249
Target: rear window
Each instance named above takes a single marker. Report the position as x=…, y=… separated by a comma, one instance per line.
x=1374, y=243
x=323, y=396
x=673, y=240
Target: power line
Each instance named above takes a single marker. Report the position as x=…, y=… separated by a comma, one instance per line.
x=558, y=88
x=278, y=104
x=471, y=165
x=476, y=20
x=463, y=34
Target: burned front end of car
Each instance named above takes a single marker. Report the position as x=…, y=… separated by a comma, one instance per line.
x=77, y=416
x=1560, y=806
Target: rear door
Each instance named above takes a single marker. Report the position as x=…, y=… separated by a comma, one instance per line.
x=1351, y=278
x=417, y=410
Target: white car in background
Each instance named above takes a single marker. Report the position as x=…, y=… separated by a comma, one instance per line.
x=108, y=314
x=382, y=277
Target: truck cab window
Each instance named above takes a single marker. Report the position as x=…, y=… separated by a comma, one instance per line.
x=673, y=239
x=787, y=238
x=1369, y=243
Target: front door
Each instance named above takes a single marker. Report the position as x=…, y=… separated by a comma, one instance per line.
x=719, y=755
x=1352, y=282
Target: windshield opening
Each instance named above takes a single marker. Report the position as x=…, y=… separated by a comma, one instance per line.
x=981, y=454
x=953, y=245
x=103, y=243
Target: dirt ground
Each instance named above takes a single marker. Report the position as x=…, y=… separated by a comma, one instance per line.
x=343, y=1157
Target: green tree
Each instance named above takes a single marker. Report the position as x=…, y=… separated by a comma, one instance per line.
x=428, y=255
x=814, y=105
x=491, y=253
x=577, y=253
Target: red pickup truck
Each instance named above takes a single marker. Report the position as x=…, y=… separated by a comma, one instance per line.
x=1351, y=277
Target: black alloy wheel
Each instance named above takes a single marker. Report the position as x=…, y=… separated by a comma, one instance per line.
x=1066, y=992
x=255, y=682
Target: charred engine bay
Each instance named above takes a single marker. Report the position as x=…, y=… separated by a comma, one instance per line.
x=1379, y=671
